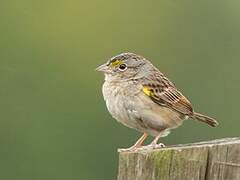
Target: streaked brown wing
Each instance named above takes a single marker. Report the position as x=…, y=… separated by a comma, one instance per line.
x=164, y=93
x=174, y=99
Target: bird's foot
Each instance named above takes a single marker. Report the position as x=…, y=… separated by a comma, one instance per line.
x=156, y=145
x=136, y=146
x=139, y=148
x=131, y=149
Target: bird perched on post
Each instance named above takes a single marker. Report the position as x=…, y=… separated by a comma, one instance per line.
x=139, y=96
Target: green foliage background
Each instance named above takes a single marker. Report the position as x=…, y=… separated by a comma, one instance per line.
x=54, y=124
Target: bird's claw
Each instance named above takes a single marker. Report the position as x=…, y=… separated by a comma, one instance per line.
x=150, y=146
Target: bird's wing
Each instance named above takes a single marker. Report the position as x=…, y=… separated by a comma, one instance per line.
x=163, y=92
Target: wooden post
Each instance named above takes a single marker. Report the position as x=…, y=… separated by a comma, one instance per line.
x=211, y=160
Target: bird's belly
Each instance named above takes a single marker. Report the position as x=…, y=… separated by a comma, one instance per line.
x=139, y=112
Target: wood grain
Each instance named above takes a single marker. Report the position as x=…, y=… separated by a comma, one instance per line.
x=211, y=160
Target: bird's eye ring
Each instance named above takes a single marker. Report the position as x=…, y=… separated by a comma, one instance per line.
x=122, y=67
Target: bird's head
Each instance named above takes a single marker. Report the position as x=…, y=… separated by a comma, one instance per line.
x=124, y=66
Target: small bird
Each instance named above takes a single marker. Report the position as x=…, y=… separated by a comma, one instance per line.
x=139, y=96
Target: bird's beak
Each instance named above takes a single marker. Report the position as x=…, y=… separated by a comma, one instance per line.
x=102, y=68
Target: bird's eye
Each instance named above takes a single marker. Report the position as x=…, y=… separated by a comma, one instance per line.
x=122, y=67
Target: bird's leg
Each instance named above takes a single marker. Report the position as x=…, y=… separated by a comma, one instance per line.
x=137, y=145
x=140, y=141
x=154, y=144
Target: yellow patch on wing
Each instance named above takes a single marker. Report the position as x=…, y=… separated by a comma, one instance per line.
x=116, y=63
x=148, y=91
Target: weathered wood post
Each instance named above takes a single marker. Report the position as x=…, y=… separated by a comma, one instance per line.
x=212, y=160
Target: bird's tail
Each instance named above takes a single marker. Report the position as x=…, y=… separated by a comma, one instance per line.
x=200, y=117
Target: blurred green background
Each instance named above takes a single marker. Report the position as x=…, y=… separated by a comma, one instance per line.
x=54, y=124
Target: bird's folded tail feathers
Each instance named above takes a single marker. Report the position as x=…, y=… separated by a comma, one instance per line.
x=200, y=117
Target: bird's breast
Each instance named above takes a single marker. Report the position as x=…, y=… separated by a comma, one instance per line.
x=118, y=98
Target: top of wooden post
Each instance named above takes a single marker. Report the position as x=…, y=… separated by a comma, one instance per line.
x=209, y=160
